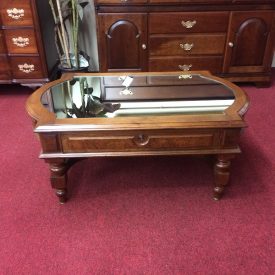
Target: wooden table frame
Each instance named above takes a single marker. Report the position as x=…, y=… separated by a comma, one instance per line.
x=65, y=141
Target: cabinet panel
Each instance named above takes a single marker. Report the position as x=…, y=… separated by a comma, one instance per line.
x=249, y=42
x=187, y=44
x=5, y=73
x=123, y=41
x=2, y=43
x=188, y=22
x=21, y=41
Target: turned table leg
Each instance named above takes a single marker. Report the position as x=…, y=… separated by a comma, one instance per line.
x=221, y=174
x=58, y=170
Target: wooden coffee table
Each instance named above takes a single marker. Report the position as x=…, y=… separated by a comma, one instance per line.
x=137, y=114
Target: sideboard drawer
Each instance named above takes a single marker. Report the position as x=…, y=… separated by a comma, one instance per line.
x=187, y=44
x=162, y=93
x=26, y=67
x=195, y=63
x=16, y=13
x=188, y=22
x=139, y=141
x=21, y=41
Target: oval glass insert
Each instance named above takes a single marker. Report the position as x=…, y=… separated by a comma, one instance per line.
x=137, y=95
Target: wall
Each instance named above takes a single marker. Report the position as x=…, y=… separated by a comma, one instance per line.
x=88, y=40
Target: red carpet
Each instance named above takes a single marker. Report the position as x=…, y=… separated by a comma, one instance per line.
x=137, y=215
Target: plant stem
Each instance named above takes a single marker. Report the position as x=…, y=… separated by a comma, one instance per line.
x=75, y=30
x=58, y=31
x=63, y=33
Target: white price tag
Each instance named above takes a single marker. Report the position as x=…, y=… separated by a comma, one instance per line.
x=127, y=80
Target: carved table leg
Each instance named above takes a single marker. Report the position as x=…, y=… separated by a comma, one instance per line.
x=59, y=178
x=221, y=174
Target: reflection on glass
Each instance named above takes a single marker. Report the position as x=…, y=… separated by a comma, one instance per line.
x=112, y=96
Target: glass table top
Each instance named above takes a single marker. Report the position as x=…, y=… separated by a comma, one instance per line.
x=137, y=95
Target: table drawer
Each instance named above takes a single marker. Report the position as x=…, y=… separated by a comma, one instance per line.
x=21, y=41
x=187, y=44
x=195, y=63
x=16, y=13
x=188, y=22
x=139, y=141
x=5, y=73
x=26, y=67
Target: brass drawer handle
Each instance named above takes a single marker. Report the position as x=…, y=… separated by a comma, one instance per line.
x=185, y=76
x=189, y=24
x=15, y=13
x=185, y=67
x=141, y=140
x=187, y=46
x=126, y=92
x=26, y=68
x=21, y=41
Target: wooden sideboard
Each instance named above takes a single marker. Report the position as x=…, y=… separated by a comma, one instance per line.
x=231, y=38
x=23, y=57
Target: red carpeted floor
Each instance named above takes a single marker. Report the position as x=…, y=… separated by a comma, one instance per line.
x=137, y=215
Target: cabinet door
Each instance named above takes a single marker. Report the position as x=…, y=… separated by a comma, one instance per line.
x=249, y=44
x=122, y=42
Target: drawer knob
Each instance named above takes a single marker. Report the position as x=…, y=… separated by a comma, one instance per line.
x=26, y=68
x=185, y=67
x=143, y=46
x=15, y=13
x=230, y=44
x=21, y=41
x=189, y=24
x=187, y=46
x=141, y=140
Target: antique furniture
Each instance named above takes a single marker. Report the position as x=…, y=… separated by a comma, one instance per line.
x=159, y=114
x=231, y=38
x=23, y=58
